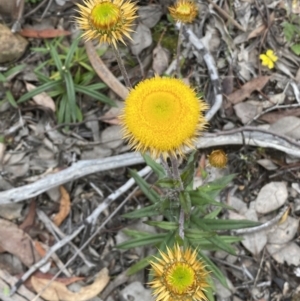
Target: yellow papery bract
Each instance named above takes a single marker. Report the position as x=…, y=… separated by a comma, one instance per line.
x=184, y=11
x=108, y=21
x=181, y=276
x=217, y=158
x=162, y=116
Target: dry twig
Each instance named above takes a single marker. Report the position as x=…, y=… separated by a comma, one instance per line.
x=90, y=220
x=240, y=136
x=103, y=72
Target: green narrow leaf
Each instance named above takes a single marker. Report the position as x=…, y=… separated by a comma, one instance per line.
x=71, y=93
x=187, y=175
x=2, y=78
x=78, y=113
x=216, y=271
x=213, y=214
x=9, y=74
x=43, y=78
x=56, y=58
x=214, y=188
x=38, y=90
x=136, y=233
x=143, y=212
x=70, y=53
x=209, y=292
x=201, y=198
x=196, y=234
x=143, y=241
x=11, y=99
x=216, y=240
x=168, y=183
x=143, y=263
x=152, y=195
x=171, y=226
x=94, y=94
x=185, y=202
x=97, y=86
x=228, y=224
x=62, y=109
x=157, y=168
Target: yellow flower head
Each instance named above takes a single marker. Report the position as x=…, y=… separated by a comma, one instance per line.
x=268, y=59
x=217, y=158
x=184, y=11
x=108, y=20
x=179, y=275
x=162, y=116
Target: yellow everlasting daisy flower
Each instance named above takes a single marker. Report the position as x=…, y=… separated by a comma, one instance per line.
x=184, y=11
x=179, y=276
x=162, y=116
x=268, y=59
x=217, y=158
x=107, y=20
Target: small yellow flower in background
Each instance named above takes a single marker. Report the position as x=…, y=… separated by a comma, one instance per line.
x=184, y=11
x=179, y=276
x=109, y=21
x=268, y=59
x=217, y=158
x=162, y=116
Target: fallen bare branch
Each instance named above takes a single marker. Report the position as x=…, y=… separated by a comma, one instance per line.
x=240, y=136
x=262, y=227
x=91, y=219
x=212, y=70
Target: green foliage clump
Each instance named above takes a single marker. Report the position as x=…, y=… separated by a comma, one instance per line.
x=203, y=229
x=291, y=30
x=70, y=77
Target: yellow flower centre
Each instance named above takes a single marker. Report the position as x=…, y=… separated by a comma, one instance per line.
x=180, y=278
x=105, y=15
x=184, y=9
x=162, y=107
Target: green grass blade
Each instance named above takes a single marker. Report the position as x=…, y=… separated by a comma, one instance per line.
x=94, y=94
x=143, y=263
x=55, y=56
x=143, y=212
x=71, y=94
x=70, y=53
x=38, y=90
x=152, y=195
x=9, y=74
x=143, y=241
x=11, y=99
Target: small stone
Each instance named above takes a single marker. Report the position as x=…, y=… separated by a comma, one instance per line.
x=12, y=46
x=271, y=197
x=135, y=291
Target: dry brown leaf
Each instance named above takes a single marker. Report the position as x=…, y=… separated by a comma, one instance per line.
x=257, y=32
x=39, y=248
x=44, y=33
x=49, y=276
x=64, y=208
x=245, y=91
x=18, y=243
x=274, y=116
x=42, y=99
x=30, y=218
x=57, y=291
